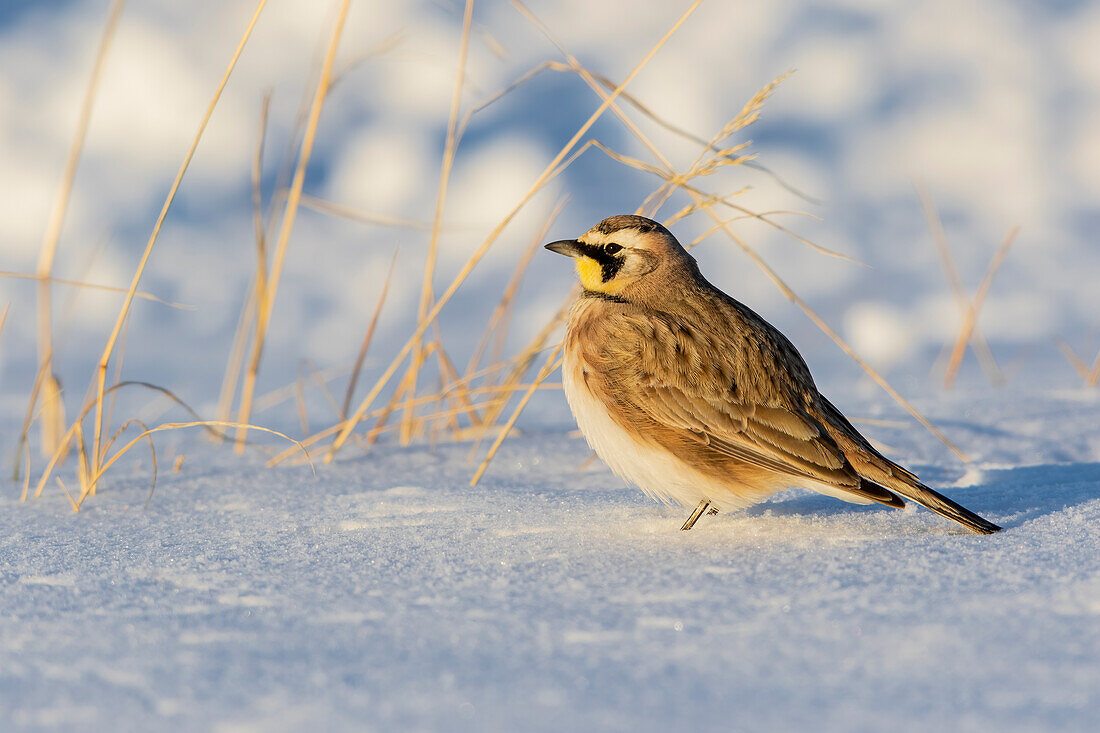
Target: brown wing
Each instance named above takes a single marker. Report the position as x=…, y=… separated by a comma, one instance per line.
x=690, y=382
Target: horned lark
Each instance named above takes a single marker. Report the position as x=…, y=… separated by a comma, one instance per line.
x=699, y=401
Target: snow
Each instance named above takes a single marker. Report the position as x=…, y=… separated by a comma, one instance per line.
x=386, y=594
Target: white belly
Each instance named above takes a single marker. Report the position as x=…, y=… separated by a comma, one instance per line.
x=651, y=468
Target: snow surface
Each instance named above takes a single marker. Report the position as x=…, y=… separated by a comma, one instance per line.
x=386, y=594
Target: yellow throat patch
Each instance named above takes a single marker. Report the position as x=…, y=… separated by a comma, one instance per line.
x=590, y=274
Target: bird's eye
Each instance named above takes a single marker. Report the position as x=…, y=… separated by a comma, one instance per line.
x=611, y=248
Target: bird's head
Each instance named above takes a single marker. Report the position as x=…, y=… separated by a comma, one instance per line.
x=620, y=252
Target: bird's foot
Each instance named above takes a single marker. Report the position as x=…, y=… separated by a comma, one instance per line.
x=696, y=514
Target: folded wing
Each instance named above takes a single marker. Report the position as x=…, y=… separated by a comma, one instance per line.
x=659, y=374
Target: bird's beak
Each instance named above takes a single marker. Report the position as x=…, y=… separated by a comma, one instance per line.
x=567, y=247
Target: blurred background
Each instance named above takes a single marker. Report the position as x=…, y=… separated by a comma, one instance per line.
x=989, y=108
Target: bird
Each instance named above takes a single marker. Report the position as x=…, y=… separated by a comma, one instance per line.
x=696, y=399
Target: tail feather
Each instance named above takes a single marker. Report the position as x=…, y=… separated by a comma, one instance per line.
x=940, y=504
x=878, y=470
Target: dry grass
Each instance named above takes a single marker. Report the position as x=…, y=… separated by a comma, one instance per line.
x=267, y=284
x=62, y=445
x=470, y=405
x=970, y=316
x=969, y=308
x=450, y=146
x=548, y=173
x=1089, y=373
x=52, y=415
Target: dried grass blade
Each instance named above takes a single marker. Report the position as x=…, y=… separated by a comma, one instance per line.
x=177, y=426
x=367, y=339
x=971, y=319
x=52, y=417
x=347, y=212
x=300, y=401
x=28, y=419
x=680, y=132
x=449, y=148
x=507, y=298
x=521, y=80
x=318, y=378
x=271, y=288
x=235, y=363
x=69, y=496
x=1094, y=375
x=552, y=363
x=947, y=260
x=1075, y=361
x=107, y=351
x=94, y=286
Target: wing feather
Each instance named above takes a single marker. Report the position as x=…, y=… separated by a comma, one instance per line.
x=662, y=372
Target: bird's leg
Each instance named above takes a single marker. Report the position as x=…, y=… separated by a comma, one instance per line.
x=713, y=510
x=695, y=515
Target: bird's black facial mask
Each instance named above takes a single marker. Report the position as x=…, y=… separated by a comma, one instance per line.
x=605, y=268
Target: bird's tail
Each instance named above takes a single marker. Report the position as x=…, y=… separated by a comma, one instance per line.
x=940, y=504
